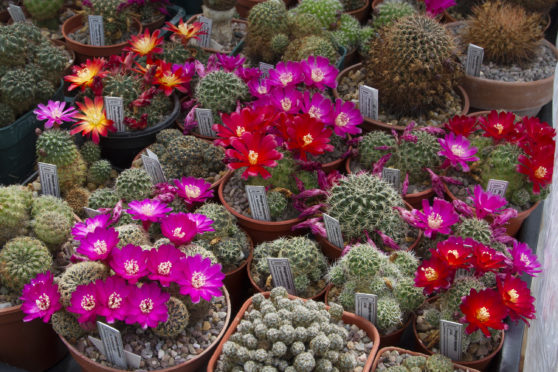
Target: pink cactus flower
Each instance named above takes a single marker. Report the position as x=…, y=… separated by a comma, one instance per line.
x=318, y=72
x=201, y=279
x=288, y=100
x=129, y=262
x=147, y=306
x=487, y=203
x=286, y=74
x=346, y=118
x=458, y=151
x=85, y=303
x=98, y=245
x=179, y=228
x=318, y=107
x=437, y=218
x=164, y=264
x=40, y=298
x=523, y=260
x=82, y=229
x=113, y=294
x=193, y=190
x=54, y=113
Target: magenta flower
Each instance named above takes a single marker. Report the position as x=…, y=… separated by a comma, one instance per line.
x=435, y=7
x=486, y=203
x=97, y=245
x=230, y=63
x=129, y=262
x=203, y=223
x=164, y=264
x=201, y=279
x=319, y=72
x=82, y=229
x=286, y=100
x=40, y=298
x=179, y=228
x=259, y=88
x=147, y=211
x=346, y=118
x=147, y=306
x=85, y=303
x=457, y=150
x=319, y=107
x=315, y=225
x=248, y=74
x=112, y=294
x=286, y=74
x=523, y=260
x=54, y=113
x=193, y=190
x=436, y=219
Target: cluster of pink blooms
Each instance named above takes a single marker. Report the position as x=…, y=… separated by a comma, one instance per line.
x=136, y=293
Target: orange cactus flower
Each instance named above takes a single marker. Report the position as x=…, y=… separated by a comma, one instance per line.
x=186, y=31
x=94, y=120
x=146, y=44
x=85, y=74
x=169, y=78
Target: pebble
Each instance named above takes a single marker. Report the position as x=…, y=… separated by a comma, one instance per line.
x=161, y=354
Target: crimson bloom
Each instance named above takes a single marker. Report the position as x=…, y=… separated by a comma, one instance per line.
x=346, y=118
x=318, y=72
x=193, y=190
x=201, y=279
x=147, y=306
x=169, y=78
x=129, y=262
x=523, y=260
x=433, y=274
x=457, y=150
x=237, y=123
x=254, y=151
x=179, y=228
x=539, y=170
x=497, y=125
x=112, y=295
x=54, y=113
x=318, y=107
x=462, y=125
x=164, y=264
x=486, y=259
x=85, y=303
x=516, y=296
x=40, y=298
x=85, y=74
x=537, y=134
x=436, y=219
x=483, y=310
x=98, y=244
x=145, y=44
x=147, y=211
x=487, y=203
x=455, y=252
x=308, y=135
x=94, y=119
x=82, y=229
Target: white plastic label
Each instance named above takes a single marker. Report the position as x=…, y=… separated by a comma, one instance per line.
x=90, y=213
x=368, y=102
x=281, y=274
x=154, y=169
x=460, y=273
x=205, y=122
x=366, y=306
x=96, y=30
x=475, y=54
x=451, y=338
x=207, y=24
x=264, y=68
x=16, y=12
x=49, y=179
x=393, y=177
x=257, y=199
x=115, y=112
x=497, y=187
x=151, y=154
x=112, y=342
x=333, y=231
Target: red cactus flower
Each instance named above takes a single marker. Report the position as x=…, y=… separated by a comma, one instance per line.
x=169, y=78
x=186, y=31
x=308, y=135
x=237, y=123
x=537, y=134
x=255, y=152
x=538, y=169
x=483, y=310
x=93, y=118
x=499, y=126
x=486, y=259
x=433, y=274
x=84, y=74
x=145, y=44
x=455, y=252
x=462, y=125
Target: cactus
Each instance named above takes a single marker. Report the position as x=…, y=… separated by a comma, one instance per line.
x=15, y=202
x=301, y=25
x=133, y=184
x=12, y=48
x=51, y=62
x=48, y=203
x=277, y=204
x=414, y=64
x=67, y=326
x=78, y=198
x=103, y=198
x=475, y=228
x=508, y=34
x=80, y=273
x=312, y=45
x=366, y=35
x=52, y=228
x=90, y=152
x=327, y=11
x=348, y=32
x=165, y=136
x=389, y=12
x=439, y=363
x=177, y=320
x=116, y=21
x=132, y=234
x=223, y=220
x=21, y=259
x=17, y=88
x=42, y=10
x=266, y=20
x=451, y=299
x=99, y=172
x=220, y=90
x=191, y=156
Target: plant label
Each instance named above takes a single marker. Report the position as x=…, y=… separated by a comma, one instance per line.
x=133, y=360
x=205, y=32
x=154, y=169
x=333, y=231
x=475, y=54
x=90, y=213
x=16, y=13
x=451, y=337
x=281, y=274
x=115, y=112
x=205, y=122
x=96, y=30
x=368, y=102
x=151, y=154
x=460, y=273
x=112, y=342
x=366, y=306
x=497, y=187
x=49, y=179
x=393, y=177
x=264, y=68
x=555, y=97
x=257, y=199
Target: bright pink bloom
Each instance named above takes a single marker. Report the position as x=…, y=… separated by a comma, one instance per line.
x=499, y=126
x=97, y=245
x=455, y=252
x=346, y=118
x=254, y=152
x=230, y=63
x=201, y=279
x=516, y=296
x=319, y=72
x=54, y=113
x=319, y=107
x=462, y=125
x=539, y=169
x=287, y=100
x=248, y=74
x=112, y=296
x=433, y=274
x=486, y=203
x=40, y=298
x=82, y=229
x=203, y=224
x=435, y=7
x=179, y=228
x=458, y=151
x=164, y=264
x=85, y=303
x=436, y=219
x=148, y=211
x=147, y=306
x=523, y=260
x=486, y=259
x=129, y=262
x=308, y=135
x=259, y=88
x=286, y=74
x=193, y=190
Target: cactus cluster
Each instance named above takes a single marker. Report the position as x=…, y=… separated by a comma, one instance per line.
x=308, y=264
x=117, y=22
x=388, y=12
x=288, y=335
x=15, y=202
x=365, y=269
x=414, y=363
x=133, y=184
x=326, y=11
x=43, y=10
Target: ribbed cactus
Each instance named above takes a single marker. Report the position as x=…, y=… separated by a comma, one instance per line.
x=80, y=273
x=388, y=12
x=15, y=202
x=327, y=11
x=475, y=228
x=133, y=184
x=99, y=172
x=90, y=152
x=265, y=21
x=220, y=90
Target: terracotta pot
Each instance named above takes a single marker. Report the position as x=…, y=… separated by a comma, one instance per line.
x=84, y=51
x=361, y=14
x=194, y=365
x=210, y=50
x=348, y=318
x=352, y=58
x=415, y=200
x=523, y=98
x=243, y=6
x=369, y=124
x=156, y=24
x=237, y=280
x=32, y=346
x=404, y=351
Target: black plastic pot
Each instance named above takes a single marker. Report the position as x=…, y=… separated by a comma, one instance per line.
x=17, y=146
x=190, y=6
x=121, y=148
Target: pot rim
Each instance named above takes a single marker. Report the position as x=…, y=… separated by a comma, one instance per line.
x=413, y=353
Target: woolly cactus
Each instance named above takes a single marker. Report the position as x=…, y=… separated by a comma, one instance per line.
x=78, y=198
x=52, y=228
x=177, y=321
x=99, y=172
x=220, y=90
x=48, y=203
x=79, y=274
x=327, y=11
x=103, y=198
x=388, y=12
x=133, y=184
x=90, y=152
x=67, y=326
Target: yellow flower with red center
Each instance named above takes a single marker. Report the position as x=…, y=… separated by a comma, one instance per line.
x=145, y=44
x=85, y=74
x=93, y=118
x=186, y=31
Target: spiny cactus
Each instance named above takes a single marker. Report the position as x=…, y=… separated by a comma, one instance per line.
x=265, y=21
x=312, y=45
x=103, y=198
x=223, y=220
x=388, y=12
x=132, y=234
x=90, y=152
x=99, y=172
x=348, y=32
x=77, y=198
x=475, y=228
x=116, y=21
x=49, y=203
x=66, y=325
x=220, y=91
x=52, y=228
x=301, y=25
x=277, y=204
x=15, y=202
x=79, y=274
x=327, y=11
x=133, y=184
x=177, y=320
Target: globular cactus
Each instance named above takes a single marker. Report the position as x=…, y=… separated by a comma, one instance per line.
x=15, y=203
x=177, y=320
x=78, y=198
x=116, y=21
x=389, y=315
x=103, y=198
x=49, y=203
x=51, y=62
x=327, y=11
x=475, y=228
x=90, y=152
x=191, y=156
x=132, y=234
x=220, y=91
x=21, y=259
x=52, y=228
x=301, y=25
x=277, y=204
x=388, y=12
x=133, y=184
x=80, y=273
x=17, y=88
x=366, y=35
x=99, y=172
x=12, y=48
x=42, y=10
x=165, y=136
x=266, y=20
x=66, y=325
x=223, y=221
x=439, y=363
x=348, y=32
x=313, y=45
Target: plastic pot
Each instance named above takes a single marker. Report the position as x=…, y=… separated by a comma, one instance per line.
x=194, y=365
x=403, y=351
x=121, y=148
x=33, y=345
x=348, y=318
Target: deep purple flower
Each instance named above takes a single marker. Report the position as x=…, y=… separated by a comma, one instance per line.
x=486, y=203
x=147, y=211
x=164, y=264
x=193, y=190
x=201, y=279
x=129, y=262
x=318, y=72
x=319, y=107
x=82, y=229
x=346, y=118
x=179, y=228
x=40, y=298
x=112, y=294
x=437, y=218
x=458, y=151
x=523, y=260
x=98, y=245
x=54, y=113
x=147, y=306
x=85, y=303
x=286, y=100
x=286, y=74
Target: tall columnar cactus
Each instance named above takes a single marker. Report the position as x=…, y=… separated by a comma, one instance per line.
x=220, y=91
x=265, y=21
x=413, y=63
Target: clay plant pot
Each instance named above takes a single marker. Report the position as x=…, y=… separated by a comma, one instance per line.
x=523, y=98
x=32, y=346
x=348, y=318
x=84, y=51
x=370, y=125
x=415, y=200
x=195, y=17
x=194, y=364
x=156, y=24
x=362, y=13
x=243, y=6
x=404, y=351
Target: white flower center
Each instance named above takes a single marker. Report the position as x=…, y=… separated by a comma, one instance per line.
x=435, y=221
x=43, y=302
x=164, y=268
x=198, y=279
x=88, y=302
x=131, y=267
x=114, y=300
x=146, y=305
x=100, y=247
